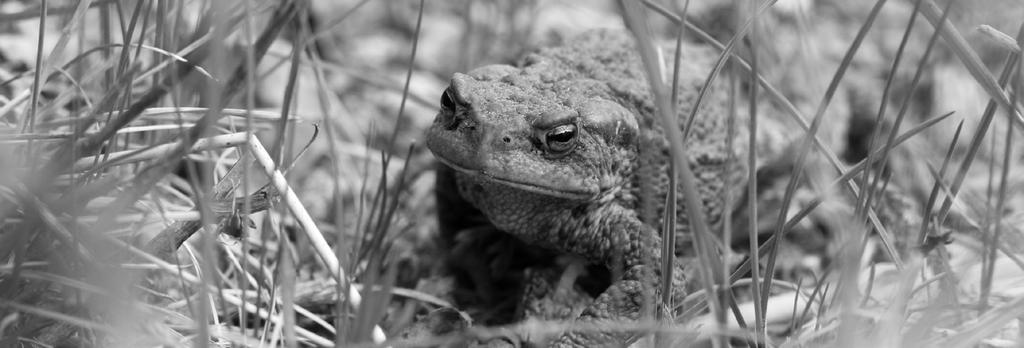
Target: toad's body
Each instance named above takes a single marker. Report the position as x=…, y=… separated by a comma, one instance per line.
x=566, y=153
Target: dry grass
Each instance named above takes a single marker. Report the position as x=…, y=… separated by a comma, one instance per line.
x=195, y=173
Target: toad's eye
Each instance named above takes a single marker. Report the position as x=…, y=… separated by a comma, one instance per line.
x=561, y=139
x=447, y=100
x=557, y=132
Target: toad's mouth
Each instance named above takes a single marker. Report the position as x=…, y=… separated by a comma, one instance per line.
x=547, y=190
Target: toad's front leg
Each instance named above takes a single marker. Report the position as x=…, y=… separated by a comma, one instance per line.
x=629, y=248
x=626, y=301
